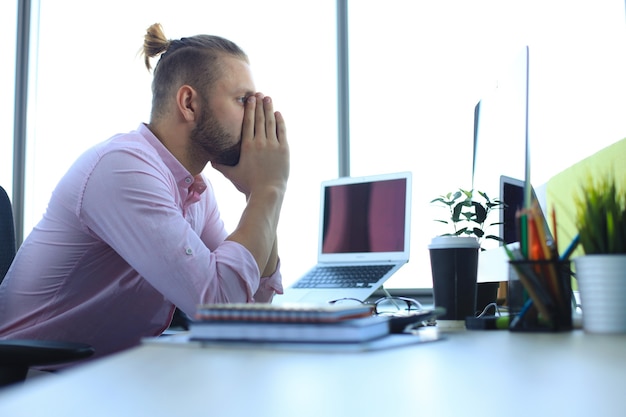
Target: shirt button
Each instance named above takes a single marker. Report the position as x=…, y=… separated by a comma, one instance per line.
x=188, y=251
x=188, y=180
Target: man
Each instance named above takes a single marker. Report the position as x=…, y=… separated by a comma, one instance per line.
x=133, y=229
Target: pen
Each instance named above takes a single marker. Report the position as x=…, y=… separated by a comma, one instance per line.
x=572, y=246
x=522, y=313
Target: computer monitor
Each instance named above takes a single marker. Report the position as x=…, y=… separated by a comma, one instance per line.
x=501, y=144
x=512, y=194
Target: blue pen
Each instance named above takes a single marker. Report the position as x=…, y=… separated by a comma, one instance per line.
x=522, y=313
x=572, y=246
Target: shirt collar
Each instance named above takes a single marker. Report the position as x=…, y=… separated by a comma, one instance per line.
x=191, y=187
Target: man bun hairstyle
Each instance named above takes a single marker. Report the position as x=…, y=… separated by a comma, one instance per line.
x=193, y=61
x=154, y=43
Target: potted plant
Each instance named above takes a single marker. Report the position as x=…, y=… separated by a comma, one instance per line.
x=601, y=272
x=468, y=212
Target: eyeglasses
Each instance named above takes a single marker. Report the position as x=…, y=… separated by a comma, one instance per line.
x=387, y=306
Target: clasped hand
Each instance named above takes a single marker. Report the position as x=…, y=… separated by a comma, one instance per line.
x=264, y=159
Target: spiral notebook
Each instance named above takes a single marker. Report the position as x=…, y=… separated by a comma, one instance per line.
x=364, y=235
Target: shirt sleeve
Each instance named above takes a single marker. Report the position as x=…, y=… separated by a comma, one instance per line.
x=132, y=203
x=269, y=286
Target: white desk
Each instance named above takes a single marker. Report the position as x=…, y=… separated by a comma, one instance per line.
x=469, y=373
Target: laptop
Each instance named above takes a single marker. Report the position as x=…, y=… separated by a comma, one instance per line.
x=364, y=235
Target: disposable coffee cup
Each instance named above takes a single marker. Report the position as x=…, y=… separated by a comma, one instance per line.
x=454, y=266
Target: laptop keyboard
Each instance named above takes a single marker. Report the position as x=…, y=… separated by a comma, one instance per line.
x=362, y=276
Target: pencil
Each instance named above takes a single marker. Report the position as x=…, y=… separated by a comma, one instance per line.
x=523, y=227
x=540, y=232
x=535, y=289
x=555, y=235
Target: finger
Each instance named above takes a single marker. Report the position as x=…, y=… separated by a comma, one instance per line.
x=270, y=121
x=281, y=128
x=247, y=131
x=259, y=117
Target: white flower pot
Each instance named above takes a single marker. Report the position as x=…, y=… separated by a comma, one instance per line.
x=602, y=286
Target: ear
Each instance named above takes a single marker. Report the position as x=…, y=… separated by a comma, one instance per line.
x=187, y=103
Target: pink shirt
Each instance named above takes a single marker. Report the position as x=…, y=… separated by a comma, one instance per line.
x=128, y=234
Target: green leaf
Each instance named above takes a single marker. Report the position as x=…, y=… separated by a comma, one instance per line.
x=481, y=213
x=468, y=194
x=494, y=237
x=468, y=211
x=461, y=231
x=601, y=216
x=456, y=212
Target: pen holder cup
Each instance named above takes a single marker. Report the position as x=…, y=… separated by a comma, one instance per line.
x=539, y=295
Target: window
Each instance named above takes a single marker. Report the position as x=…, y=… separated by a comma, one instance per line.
x=8, y=19
x=91, y=84
x=417, y=70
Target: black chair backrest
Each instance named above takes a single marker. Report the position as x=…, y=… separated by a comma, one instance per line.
x=7, y=233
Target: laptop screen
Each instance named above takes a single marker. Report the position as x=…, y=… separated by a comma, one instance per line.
x=512, y=194
x=367, y=215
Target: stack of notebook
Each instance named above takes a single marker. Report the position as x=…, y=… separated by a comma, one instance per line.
x=287, y=323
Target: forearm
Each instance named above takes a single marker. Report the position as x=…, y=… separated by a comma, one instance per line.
x=272, y=262
x=256, y=230
x=261, y=175
x=271, y=280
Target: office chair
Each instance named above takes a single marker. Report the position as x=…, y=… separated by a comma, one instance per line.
x=18, y=355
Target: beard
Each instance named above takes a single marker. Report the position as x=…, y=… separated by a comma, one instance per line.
x=211, y=137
